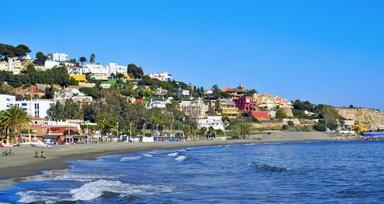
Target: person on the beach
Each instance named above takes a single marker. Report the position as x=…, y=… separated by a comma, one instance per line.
x=36, y=154
x=42, y=155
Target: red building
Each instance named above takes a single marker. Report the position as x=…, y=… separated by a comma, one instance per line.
x=260, y=115
x=246, y=104
x=140, y=100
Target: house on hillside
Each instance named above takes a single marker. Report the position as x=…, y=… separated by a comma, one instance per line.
x=215, y=122
x=161, y=76
x=194, y=108
x=95, y=71
x=115, y=69
x=156, y=103
x=227, y=107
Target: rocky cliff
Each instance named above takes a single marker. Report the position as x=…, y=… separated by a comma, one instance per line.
x=371, y=117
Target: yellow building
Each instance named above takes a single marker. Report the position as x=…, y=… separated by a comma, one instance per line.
x=360, y=127
x=79, y=77
x=227, y=107
x=129, y=77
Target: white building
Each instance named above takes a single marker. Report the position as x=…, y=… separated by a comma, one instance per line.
x=51, y=64
x=157, y=104
x=381, y=127
x=162, y=76
x=115, y=69
x=182, y=92
x=215, y=122
x=194, y=108
x=96, y=71
x=36, y=108
x=58, y=57
x=11, y=65
x=6, y=101
x=71, y=93
x=160, y=92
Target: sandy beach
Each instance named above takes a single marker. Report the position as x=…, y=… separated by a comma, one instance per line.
x=23, y=164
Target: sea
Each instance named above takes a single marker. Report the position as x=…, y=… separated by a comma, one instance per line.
x=301, y=172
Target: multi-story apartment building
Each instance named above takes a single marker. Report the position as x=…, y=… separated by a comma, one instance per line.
x=227, y=107
x=58, y=57
x=6, y=101
x=246, y=104
x=115, y=69
x=36, y=108
x=194, y=108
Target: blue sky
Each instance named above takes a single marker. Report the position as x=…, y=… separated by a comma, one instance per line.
x=324, y=51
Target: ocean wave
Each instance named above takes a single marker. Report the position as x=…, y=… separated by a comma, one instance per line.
x=147, y=155
x=267, y=167
x=181, y=150
x=81, y=177
x=181, y=158
x=97, y=189
x=125, y=159
x=37, y=196
x=173, y=154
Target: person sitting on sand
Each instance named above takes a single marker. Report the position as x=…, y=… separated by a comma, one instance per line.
x=36, y=154
x=42, y=155
x=11, y=152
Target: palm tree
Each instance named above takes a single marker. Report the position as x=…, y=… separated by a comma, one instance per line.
x=92, y=58
x=2, y=126
x=83, y=60
x=14, y=120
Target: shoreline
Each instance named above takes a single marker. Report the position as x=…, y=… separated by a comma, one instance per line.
x=23, y=164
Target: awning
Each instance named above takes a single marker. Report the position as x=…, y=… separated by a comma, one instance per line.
x=51, y=136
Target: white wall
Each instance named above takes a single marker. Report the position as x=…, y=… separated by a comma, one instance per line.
x=215, y=122
x=36, y=108
x=6, y=101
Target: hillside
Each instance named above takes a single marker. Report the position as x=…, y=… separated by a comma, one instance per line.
x=372, y=117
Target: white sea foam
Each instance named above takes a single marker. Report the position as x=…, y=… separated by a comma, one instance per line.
x=174, y=154
x=93, y=190
x=181, y=158
x=147, y=155
x=37, y=196
x=181, y=150
x=125, y=159
x=81, y=177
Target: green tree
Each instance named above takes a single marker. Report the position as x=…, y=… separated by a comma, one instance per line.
x=211, y=133
x=91, y=91
x=40, y=59
x=202, y=132
x=15, y=119
x=320, y=126
x=22, y=50
x=90, y=113
x=8, y=51
x=280, y=114
x=49, y=92
x=92, y=58
x=83, y=60
x=240, y=127
x=136, y=71
x=68, y=110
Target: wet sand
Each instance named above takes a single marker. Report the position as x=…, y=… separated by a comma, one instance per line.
x=23, y=164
